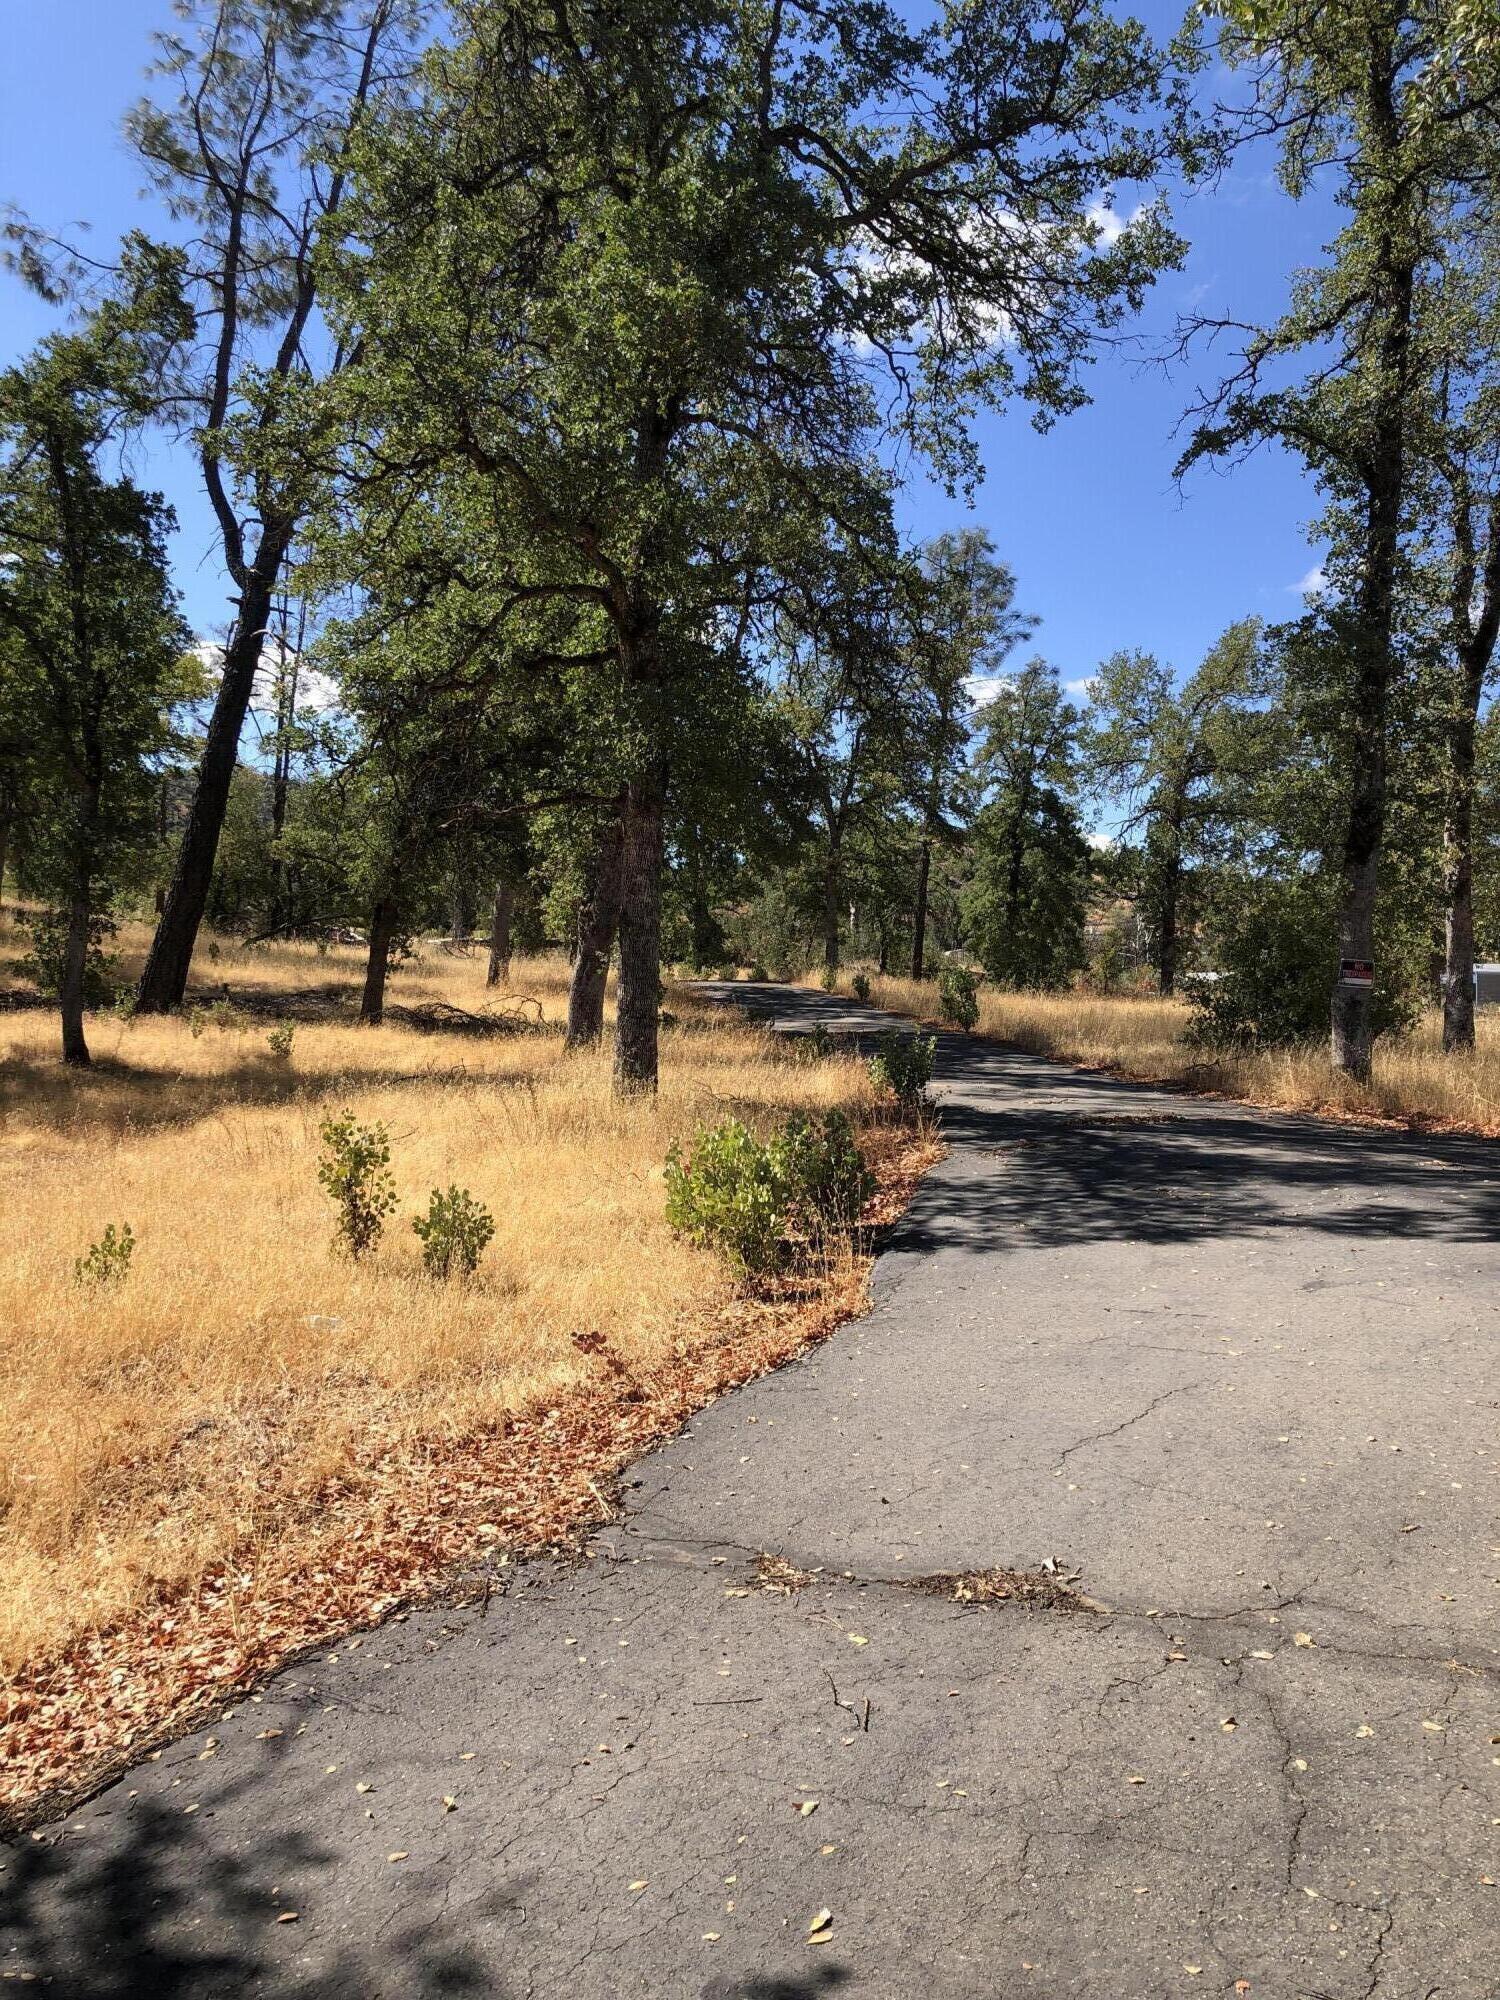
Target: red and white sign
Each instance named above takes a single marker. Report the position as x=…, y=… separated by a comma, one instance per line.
x=1356, y=972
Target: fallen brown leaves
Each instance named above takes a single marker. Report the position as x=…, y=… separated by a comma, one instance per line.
x=407, y=1526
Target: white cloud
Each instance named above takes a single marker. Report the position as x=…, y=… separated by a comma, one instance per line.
x=983, y=688
x=1311, y=585
x=1083, y=689
x=1102, y=842
x=316, y=693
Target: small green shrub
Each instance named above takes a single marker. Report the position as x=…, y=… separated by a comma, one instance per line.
x=107, y=1261
x=279, y=1041
x=354, y=1177
x=221, y=1014
x=727, y=1195
x=759, y=972
x=824, y=1179
x=43, y=964
x=903, y=1065
x=859, y=986
x=742, y=1195
x=728, y=972
x=815, y=1046
x=828, y=979
x=958, y=996
x=454, y=1233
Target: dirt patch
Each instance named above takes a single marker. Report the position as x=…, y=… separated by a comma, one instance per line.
x=1051, y=1588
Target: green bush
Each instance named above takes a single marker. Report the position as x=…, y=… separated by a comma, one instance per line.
x=1274, y=945
x=454, y=1233
x=279, y=1041
x=903, y=1065
x=958, y=996
x=759, y=972
x=859, y=986
x=824, y=1179
x=353, y=1175
x=728, y=1195
x=43, y=964
x=107, y=1262
x=741, y=1195
x=828, y=979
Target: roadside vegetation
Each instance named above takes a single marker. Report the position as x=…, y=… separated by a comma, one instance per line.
x=1155, y=1039
x=234, y=1435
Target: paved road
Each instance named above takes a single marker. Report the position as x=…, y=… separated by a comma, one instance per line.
x=1238, y=1371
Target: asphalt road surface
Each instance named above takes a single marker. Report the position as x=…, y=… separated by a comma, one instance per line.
x=1232, y=1375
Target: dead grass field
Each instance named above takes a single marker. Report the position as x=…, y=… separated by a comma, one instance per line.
x=187, y=1455
x=1413, y=1081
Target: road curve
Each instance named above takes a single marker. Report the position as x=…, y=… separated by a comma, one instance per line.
x=1233, y=1374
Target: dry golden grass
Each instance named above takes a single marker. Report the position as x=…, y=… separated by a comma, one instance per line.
x=1413, y=1080
x=196, y=1420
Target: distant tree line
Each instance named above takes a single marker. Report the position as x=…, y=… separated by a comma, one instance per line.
x=552, y=372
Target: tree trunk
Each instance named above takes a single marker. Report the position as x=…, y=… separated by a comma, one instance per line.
x=919, y=916
x=1351, y=1010
x=638, y=997
x=4, y=849
x=75, y=1048
x=831, y=900
x=382, y=930
x=1458, y=872
x=597, y=921
x=1166, y=945
x=170, y=959
x=498, y=973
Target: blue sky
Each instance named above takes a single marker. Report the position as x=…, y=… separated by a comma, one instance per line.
x=1108, y=552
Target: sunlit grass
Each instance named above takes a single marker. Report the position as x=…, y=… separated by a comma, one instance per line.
x=148, y=1430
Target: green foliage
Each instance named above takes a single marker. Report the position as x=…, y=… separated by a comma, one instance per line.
x=859, y=986
x=742, y=1195
x=1273, y=949
x=958, y=996
x=1026, y=901
x=279, y=1040
x=759, y=972
x=353, y=1173
x=107, y=1262
x=727, y=1195
x=43, y=964
x=454, y=1233
x=824, y=1180
x=903, y=1065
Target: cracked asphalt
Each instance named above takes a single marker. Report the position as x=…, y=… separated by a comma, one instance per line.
x=1236, y=1370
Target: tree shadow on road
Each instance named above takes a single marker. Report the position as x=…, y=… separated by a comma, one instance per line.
x=160, y=1912
x=1105, y=1161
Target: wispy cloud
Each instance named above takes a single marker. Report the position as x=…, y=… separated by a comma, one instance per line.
x=1311, y=585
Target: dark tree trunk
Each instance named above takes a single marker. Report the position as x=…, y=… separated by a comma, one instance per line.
x=382, y=930
x=1458, y=870
x=831, y=912
x=75, y=1047
x=1351, y=1009
x=597, y=920
x=919, y=916
x=165, y=978
x=498, y=973
x=1166, y=944
x=4, y=850
x=638, y=997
